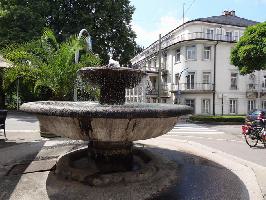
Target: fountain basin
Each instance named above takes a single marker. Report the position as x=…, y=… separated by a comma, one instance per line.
x=111, y=81
x=107, y=123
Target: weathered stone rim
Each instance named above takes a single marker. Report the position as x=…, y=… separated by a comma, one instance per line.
x=95, y=110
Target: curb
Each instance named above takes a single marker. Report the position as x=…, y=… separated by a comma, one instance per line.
x=247, y=172
x=215, y=123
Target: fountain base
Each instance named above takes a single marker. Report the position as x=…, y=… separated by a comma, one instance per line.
x=111, y=156
x=146, y=166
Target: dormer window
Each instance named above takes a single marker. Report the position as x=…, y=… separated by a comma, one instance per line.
x=228, y=36
x=236, y=36
x=209, y=33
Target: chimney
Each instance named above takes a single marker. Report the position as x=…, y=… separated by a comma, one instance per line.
x=226, y=12
x=229, y=13
x=233, y=13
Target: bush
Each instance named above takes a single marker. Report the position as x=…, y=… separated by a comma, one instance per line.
x=225, y=118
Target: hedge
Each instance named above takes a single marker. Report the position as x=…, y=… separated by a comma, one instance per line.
x=224, y=118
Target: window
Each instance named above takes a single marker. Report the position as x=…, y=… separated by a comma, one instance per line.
x=233, y=81
x=233, y=106
x=236, y=36
x=149, y=64
x=205, y=108
x=207, y=53
x=177, y=55
x=135, y=91
x=191, y=80
x=263, y=104
x=251, y=105
x=209, y=33
x=206, y=79
x=163, y=100
x=218, y=33
x=264, y=82
x=191, y=52
x=155, y=63
x=228, y=36
x=191, y=103
x=177, y=78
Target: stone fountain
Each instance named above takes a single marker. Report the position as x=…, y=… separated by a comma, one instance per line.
x=110, y=127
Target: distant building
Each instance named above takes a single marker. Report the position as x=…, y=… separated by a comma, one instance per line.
x=196, y=68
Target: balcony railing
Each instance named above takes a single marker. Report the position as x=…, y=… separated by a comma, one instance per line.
x=251, y=87
x=193, y=87
x=196, y=35
x=154, y=91
x=169, y=40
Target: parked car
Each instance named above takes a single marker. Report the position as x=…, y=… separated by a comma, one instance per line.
x=256, y=115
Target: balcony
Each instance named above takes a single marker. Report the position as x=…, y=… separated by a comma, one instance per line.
x=171, y=39
x=195, y=36
x=252, y=90
x=193, y=88
x=154, y=91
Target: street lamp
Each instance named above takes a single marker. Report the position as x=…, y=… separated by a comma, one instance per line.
x=18, y=91
x=87, y=36
x=178, y=76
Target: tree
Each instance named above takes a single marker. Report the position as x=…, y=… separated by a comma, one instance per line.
x=45, y=67
x=108, y=22
x=249, y=54
x=21, y=21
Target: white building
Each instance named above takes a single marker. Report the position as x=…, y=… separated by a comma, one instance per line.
x=196, y=69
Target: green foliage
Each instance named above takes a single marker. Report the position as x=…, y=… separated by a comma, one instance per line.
x=45, y=67
x=249, y=54
x=225, y=118
x=108, y=22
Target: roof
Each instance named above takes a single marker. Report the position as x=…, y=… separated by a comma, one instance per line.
x=228, y=20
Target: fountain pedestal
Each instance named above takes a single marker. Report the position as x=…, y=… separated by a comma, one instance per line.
x=112, y=95
x=111, y=156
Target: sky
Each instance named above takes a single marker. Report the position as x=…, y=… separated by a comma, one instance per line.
x=153, y=17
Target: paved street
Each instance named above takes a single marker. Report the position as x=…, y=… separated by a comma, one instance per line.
x=226, y=138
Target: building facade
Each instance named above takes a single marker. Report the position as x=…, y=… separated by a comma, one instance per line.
x=196, y=70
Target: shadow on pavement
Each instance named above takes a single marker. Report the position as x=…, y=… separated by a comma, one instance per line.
x=199, y=179
x=14, y=159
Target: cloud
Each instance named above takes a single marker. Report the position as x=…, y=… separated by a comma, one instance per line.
x=145, y=37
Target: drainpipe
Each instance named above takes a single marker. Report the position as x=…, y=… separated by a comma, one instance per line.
x=159, y=70
x=214, y=79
